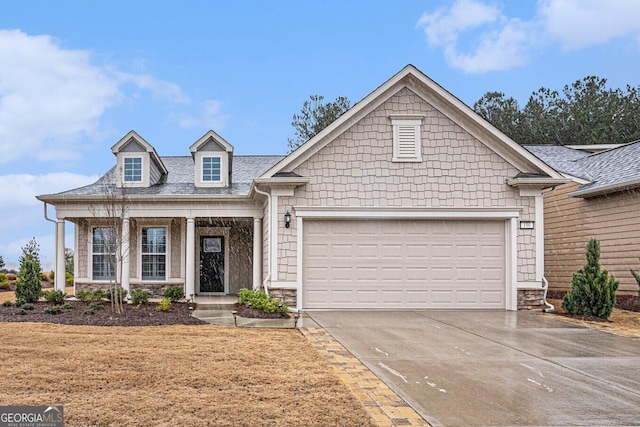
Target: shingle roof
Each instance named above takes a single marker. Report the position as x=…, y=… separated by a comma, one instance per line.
x=613, y=169
x=181, y=177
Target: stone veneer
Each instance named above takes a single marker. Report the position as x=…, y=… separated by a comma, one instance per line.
x=531, y=299
x=356, y=169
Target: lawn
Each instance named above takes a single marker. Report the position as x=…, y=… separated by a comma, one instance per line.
x=173, y=375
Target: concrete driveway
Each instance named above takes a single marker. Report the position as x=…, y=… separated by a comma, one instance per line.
x=498, y=368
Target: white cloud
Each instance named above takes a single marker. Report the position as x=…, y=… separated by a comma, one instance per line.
x=210, y=117
x=49, y=97
x=52, y=99
x=23, y=214
x=502, y=43
x=581, y=23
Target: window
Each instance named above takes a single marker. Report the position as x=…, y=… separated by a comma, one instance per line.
x=133, y=169
x=211, y=169
x=406, y=138
x=104, y=253
x=154, y=253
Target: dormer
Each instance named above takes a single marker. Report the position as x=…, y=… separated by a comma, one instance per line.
x=138, y=164
x=212, y=156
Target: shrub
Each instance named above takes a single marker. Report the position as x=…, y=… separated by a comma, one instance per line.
x=12, y=277
x=174, y=293
x=164, y=304
x=91, y=296
x=56, y=309
x=123, y=294
x=4, y=282
x=27, y=306
x=56, y=297
x=44, y=277
x=52, y=275
x=20, y=302
x=7, y=303
x=68, y=278
x=593, y=291
x=140, y=296
x=22, y=312
x=67, y=306
x=259, y=300
x=96, y=305
x=29, y=286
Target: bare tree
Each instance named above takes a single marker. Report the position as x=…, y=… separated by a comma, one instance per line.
x=111, y=212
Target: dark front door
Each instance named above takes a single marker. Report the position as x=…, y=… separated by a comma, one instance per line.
x=211, y=263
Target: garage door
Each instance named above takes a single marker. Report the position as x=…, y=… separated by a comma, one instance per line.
x=403, y=264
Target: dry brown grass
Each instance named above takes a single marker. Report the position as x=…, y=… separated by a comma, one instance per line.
x=173, y=375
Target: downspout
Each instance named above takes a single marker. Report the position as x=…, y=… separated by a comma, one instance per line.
x=46, y=216
x=549, y=308
x=266, y=279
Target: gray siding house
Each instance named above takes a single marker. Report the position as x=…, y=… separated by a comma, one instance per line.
x=408, y=200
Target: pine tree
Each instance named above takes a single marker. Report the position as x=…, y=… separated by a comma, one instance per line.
x=593, y=291
x=29, y=285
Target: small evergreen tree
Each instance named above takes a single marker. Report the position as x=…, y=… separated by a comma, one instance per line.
x=593, y=291
x=29, y=285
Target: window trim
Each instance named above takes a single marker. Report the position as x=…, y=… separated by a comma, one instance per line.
x=91, y=263
x=202, y=169
x=405, y=123
x=167, y=259
x=124, y=170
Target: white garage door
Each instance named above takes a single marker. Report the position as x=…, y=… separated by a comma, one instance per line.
x=403, y=264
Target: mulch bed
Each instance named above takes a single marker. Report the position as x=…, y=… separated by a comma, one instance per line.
x=623, y=302
x=244, y=311
x=144, y=315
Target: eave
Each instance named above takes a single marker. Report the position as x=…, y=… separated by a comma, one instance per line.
x=605, y=189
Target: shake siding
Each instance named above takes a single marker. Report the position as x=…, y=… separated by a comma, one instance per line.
x=176, y=248
x=356, y=169
x=570, y=222
x=135, y=271
x=83, y=248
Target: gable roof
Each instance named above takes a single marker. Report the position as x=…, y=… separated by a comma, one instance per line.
x=211, y=135
x=608, y=171
x=125, y=140
x=412, y=78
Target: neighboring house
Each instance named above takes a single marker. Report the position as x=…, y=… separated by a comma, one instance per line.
x=602, y=201
x=408, y=200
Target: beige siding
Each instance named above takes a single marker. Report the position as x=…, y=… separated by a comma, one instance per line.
x=240, y=256
x=265, y=242
x=571, y=221
x=356, y=170
x=135, y=271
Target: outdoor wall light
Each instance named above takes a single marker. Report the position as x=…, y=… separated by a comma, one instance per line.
x=287, y=219
x=526, y=225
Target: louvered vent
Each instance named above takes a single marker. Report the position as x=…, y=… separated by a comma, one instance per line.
x=406, y=138
x=406, y=142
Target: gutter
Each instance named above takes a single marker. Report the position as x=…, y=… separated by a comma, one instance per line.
x=592, y=192
x=550, y=308
x=46, y=214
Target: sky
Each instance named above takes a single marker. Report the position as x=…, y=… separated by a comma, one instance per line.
x=76, y=76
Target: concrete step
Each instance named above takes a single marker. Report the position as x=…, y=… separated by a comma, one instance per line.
x=212, y=305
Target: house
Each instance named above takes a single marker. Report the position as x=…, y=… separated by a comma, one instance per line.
x=601, y=200
x=408, y=200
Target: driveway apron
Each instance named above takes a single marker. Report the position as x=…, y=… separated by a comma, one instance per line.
x=496, y=368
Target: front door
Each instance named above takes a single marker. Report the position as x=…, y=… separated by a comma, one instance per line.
x=211, y=264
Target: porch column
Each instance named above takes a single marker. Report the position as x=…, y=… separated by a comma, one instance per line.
x=190, y=258
x=124, y=253
x=257, y=252
x=60, y=275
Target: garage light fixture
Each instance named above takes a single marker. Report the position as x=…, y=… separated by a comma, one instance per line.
x=526, y=225
x=287, y=220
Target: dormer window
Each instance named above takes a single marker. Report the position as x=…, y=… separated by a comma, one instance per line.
x=132, y=169
x=212, y=157
x=211, y=169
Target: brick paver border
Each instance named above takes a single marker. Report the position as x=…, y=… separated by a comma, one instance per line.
x=384, y=405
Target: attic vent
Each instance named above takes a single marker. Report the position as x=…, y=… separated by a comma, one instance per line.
x=406, y=138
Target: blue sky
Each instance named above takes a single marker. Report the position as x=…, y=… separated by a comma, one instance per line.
x=76, y=76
